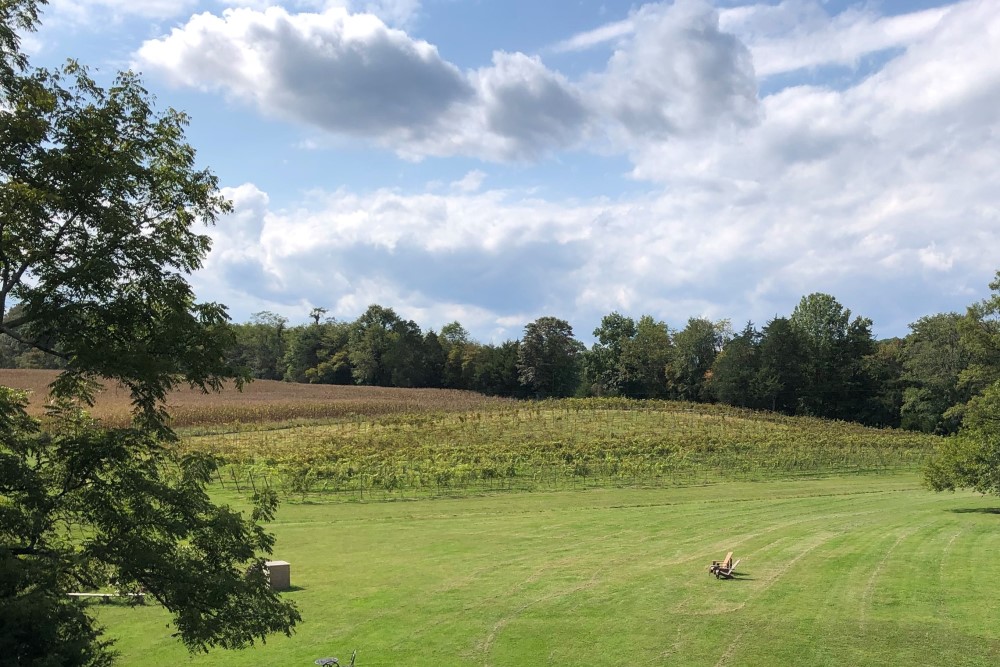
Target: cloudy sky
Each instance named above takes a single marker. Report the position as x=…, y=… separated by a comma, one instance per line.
x=493, y=161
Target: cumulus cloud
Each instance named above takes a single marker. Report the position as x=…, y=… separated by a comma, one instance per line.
x=342, y=72
x=678, y=74
x=351, y=74
x=882, y=193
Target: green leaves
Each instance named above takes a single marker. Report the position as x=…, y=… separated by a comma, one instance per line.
x=549, y=358
x=99, y=198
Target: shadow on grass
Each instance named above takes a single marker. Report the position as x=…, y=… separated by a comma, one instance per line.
x=976, y=510
x=292, y=589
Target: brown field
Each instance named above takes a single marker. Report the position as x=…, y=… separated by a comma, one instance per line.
x=262, y=401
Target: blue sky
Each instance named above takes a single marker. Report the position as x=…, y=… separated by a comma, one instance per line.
x=494, y=161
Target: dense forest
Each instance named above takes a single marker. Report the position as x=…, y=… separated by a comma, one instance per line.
x=819, y=360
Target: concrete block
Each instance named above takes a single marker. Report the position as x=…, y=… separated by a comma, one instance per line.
x=279, y=572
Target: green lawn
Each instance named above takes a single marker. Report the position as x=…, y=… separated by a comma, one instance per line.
x=868, y=570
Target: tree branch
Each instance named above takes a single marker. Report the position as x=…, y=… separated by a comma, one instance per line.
x=30, y=343
x=32, y=551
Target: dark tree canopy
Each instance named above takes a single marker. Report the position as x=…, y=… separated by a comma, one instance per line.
x=979, y=333
x=836, y=385
x=694, y=351
x=972, y=458
x=933, y=361
x=99, y=201
x=549, y=358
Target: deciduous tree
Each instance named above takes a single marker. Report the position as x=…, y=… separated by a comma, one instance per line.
x=99, y=197
x=549, y=358
x=933, y=361
x=836, y=385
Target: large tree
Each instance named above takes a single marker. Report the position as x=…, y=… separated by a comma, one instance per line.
x=457, y=347
x=388, y=351
x=971, y=459
x=549, y=358
x=629, y=357
x=603, y=363
x=694, y=350
x=260, y=345
x=735, y=375
x=933, y=361
x=837, y=384
x=783, y=360
x=99, y=197
x=980, y=339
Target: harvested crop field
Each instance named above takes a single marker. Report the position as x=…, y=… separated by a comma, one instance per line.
x=263, y=401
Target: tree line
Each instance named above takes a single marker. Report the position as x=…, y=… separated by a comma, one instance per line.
x=820, y=360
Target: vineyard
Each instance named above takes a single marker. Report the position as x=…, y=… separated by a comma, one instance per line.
x=355, y=443
x=573, y=443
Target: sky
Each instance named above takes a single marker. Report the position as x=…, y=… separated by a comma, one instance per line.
x=495, y=161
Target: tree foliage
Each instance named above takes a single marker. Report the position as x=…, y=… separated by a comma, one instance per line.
x=99, y=196
x=836, y=385
x=630, y=357
x=971, y=459
x=549, y=358
x=694, y=350
x=933, y=362
x=979, y=333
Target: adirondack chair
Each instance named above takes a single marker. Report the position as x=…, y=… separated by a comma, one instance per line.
x=726, y=572
x=726, y=563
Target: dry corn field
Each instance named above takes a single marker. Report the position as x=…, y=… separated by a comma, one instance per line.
x=263, y=401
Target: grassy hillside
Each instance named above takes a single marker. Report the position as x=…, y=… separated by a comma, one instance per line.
x=856, y=571
x=553, y=445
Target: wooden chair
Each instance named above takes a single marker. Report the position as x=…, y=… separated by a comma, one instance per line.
x=725, y=563
x=726, y=572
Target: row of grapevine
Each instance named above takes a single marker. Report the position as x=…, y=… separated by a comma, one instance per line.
x=554, y=444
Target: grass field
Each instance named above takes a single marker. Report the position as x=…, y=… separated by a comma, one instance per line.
x=869, y=570
x=845, y=558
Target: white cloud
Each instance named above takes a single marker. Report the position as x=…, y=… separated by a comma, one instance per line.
x=882, y=194
x=678, y=74
x=791, y=35
x=343, y=72
x=798, y=34
x=591, y=38
x=351, y=74
x=90, y=11
x=471, y=182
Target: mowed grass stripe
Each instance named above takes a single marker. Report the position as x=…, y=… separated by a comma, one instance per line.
x=859, y=571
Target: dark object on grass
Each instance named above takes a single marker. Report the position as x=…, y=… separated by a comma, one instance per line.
x=334, y=661
x=722, y=572
x=725, y=568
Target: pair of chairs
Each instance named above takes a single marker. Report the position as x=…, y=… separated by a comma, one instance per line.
x=725, y=568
